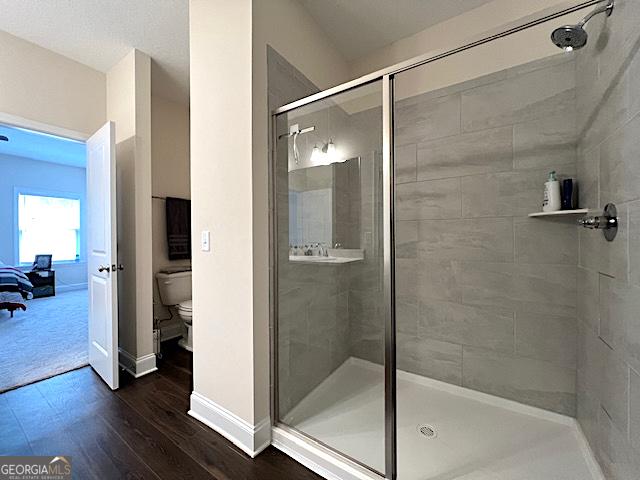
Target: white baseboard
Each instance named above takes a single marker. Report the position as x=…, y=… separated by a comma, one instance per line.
x=251, y=439
x=137, y=367
x=70, y=288
x=318, y=458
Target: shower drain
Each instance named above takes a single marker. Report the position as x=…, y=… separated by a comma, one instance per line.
x=427, y=431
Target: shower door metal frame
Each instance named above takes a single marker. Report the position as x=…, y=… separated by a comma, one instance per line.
x=387, y=76
x=389, y=279
x=430, y=58
x=388, y=285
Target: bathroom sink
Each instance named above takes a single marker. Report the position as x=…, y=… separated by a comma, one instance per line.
x=336, y=256
x=353, y=253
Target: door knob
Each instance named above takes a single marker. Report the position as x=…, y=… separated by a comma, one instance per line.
x=102, y=268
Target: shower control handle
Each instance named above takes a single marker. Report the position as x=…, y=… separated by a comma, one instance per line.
x=597, y=223
x=607, y=222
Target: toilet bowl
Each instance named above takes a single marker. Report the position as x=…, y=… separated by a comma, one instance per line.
x=185, y=312
x=175, y=293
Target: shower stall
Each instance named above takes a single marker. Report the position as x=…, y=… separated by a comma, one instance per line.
x=424, y=325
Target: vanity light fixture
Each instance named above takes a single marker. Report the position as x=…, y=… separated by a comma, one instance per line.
x=326, y=155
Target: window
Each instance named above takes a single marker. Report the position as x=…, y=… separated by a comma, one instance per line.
x=48, y=225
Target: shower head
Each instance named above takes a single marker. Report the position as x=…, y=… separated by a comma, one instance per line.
x=570, y=37
x=574, y=37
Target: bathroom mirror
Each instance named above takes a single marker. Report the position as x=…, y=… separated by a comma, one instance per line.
x=325, y=205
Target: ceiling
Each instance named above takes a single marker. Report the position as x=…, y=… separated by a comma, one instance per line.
x=359, y=27
x=99, y=33
x=42, y=146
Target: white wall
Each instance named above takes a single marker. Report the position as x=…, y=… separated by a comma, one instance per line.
x=170, y=178
x=42, y=86
x=229, y=185
x=49, y=177
x=457, y=31
x=129, y=106
x=221, y=195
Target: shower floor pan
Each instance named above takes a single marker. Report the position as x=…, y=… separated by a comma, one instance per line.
x=445, y=432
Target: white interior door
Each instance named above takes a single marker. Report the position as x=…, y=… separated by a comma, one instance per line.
x=102, y=261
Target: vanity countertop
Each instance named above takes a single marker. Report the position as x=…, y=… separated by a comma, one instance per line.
x=322, y=260
x=336, y=256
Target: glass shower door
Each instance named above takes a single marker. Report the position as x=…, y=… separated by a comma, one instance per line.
x=330, y=318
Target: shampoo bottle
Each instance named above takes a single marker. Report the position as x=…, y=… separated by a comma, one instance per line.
x=552, y=200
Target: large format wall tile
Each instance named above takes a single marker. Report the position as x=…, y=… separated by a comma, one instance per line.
x=487, y=239
x=547, y=142
x=516, y=193
x=546, y=241
x=619, y=313
x=466, y=325
x=634, y=409
x=431, y=199
x=367, y=342
x=523, y=288
x=617, y=458
x=609, y=354
x=589, y=179
x=468, y=261
x=619, y=166
x=423, y=119
x=406, y=238
x=427, y=280
x=615, y=382
x=472, y=153
x=547, y=337
x=430, y=358
x=519, y=99
x=634, y=242
x=588, y=303
x=531, y=381
x=590, y=356
x=405, y=160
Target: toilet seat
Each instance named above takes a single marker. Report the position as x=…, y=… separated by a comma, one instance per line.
x=185, y=310
x=186, y=307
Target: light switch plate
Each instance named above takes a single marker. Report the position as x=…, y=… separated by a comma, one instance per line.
x=205, y=241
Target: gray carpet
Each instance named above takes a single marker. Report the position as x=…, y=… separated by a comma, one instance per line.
x=49, y=338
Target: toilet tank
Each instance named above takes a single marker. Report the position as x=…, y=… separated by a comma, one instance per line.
x=174, y=287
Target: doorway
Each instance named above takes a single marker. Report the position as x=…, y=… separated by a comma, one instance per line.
x=43, y=270
x=58, y=295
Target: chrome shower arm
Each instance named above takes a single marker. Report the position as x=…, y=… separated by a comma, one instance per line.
x=608, y=9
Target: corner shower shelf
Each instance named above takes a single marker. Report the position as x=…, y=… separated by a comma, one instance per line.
x=580, y=211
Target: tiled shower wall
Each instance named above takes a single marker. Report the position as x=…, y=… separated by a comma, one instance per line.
x=487, y=296
x=313, y=300
x=608, y=99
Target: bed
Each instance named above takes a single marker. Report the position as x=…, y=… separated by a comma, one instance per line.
x=15, y=289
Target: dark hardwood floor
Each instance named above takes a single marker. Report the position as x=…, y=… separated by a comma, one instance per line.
x=140, y=431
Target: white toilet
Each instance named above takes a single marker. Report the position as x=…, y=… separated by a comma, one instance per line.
x=175, y=292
